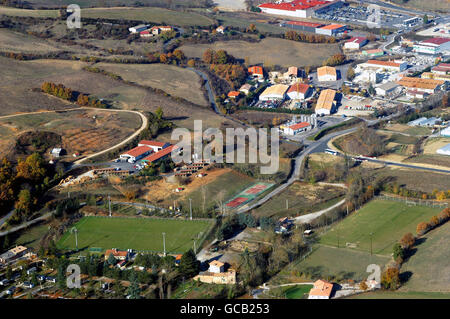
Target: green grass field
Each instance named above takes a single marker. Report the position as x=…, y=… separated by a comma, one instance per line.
x=133, y=233
x=429, y=266
x=325, y=262
x=297, y=292
x=387, y=220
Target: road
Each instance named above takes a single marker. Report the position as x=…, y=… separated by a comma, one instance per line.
x=125, y=141
x=209, y=90
x=26, y=224
x=6, y=217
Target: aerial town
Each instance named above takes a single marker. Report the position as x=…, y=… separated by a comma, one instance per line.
x=115, y=182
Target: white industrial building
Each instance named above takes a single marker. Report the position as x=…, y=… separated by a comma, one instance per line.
x=139, y=28
x=446, y=132
x=433, y=46
x=274, y=92
x=382, y=66
x=299, y=91
x=387, y=89
x=299, y=8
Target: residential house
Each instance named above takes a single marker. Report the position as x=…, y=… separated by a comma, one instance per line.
x=216, y=274
x=256, y=72
x=216, y=267
x=322, y=290
x=233, y=94
x=246, y=88
x=117, y=254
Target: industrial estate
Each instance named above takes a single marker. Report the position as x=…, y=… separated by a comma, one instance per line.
x=92, y=98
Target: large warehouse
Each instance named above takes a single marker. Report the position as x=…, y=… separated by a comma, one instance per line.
x=274, y=92
x=299, y=8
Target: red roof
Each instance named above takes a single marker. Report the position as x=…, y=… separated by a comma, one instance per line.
x=299, y=126
x=299, y=87
x=152, y=143
x=256, y=70
x=437, y=41
x=156, y=156
x=294, y=5
x=233, y=93
x=305, y=24
x=333, y=27
x=137, y=151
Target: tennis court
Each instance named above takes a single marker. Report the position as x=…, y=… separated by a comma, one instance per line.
x=248, y=194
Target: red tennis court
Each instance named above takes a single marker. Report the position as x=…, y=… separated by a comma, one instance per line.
x=237, y=201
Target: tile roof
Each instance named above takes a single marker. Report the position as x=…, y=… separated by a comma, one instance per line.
x=332, y=27
x=278, y=89
x=419, y=83
x=151, y=143
x=300, y=125
x=293, y=5
x=384, y=63
x=436, y=41
x=326, y=70
x=156, y=156
x=321, y=288
x=326, y=99
x=299, y=87
x=137, y=151
x=256, y=70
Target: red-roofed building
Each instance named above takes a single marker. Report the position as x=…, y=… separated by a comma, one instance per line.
x=233, y=94
x=136, y=153
x=322, y=290
x=331, y=29
x=256, y=72
x=117, y=254
x=433, y=46
x=356, y=43
x=296, y=128
x=299, y=91
x=298, y=8
x=302, y=26
x=159, y=155
x=442, y=69
x=154, y=145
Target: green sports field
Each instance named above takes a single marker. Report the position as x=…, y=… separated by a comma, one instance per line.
x=387, y=220
x=134, y=233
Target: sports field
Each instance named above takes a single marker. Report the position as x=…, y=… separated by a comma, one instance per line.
x=134, y=233
x=387, y=220
x=248, y=194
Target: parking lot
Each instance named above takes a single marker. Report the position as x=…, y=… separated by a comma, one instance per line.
x=361, y=14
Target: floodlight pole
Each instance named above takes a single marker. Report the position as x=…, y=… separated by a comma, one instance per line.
x=190, y=208
x=75, y=230
x=164, y=243
x=109, y=200
x=195, y=248
x=371, y=234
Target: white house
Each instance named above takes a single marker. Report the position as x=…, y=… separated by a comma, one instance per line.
x=216, y=267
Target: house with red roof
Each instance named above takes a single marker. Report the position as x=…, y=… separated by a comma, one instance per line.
x=322, y=290
x=433, y=46
x=355, y=43
x=299, y=91
x=294, y=129
x=256, y=72
x=233, y=94
x=136, y=154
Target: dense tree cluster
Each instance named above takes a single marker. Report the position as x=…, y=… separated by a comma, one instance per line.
x=57, y=90
x=335, y=60
x=435, y=221
x=308, y=37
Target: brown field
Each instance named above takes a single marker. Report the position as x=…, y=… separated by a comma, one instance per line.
x=260, y=119
x=432, y=145
x=270, y=51
x=79, y=130
x=11, y=41
x=20, y=77
x=174, y=80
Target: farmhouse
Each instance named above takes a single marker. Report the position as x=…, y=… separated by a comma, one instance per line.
x=322, y=290
x=299, y=91
x=331, y=29
x=299, y=8
x=233, y=94
x=433, y=46
x=138, y=28
x=136, y=154
x=256, y=72
x=326, y=73
x=274, y=92
x=325, y=103
x=355, y=43
x=216, y=274
x=117, y=254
